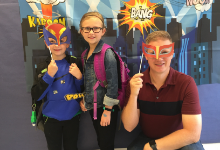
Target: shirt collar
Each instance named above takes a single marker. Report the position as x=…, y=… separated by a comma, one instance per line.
x=98, y=48
x=170, y=80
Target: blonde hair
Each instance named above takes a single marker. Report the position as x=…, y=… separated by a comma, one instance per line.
x=92, y=14
x=158, y=35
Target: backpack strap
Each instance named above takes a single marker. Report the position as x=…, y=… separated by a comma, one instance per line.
x=99, y=67
x=82, y=57
x=94, y=88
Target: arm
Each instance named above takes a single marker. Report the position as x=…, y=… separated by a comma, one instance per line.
x=110, y=98
x=76, y=70
x=191, y=119
x=111, y=95
x=48, y=80
x=43, y=83
x=192, y=125
x=130, y=114
x=39, y=86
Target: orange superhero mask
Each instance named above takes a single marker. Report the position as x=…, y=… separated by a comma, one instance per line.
x=157, y=51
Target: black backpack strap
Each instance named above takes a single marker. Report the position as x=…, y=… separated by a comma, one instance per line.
x=40, y=121
x=59, y=77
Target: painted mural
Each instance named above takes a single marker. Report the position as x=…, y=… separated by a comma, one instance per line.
x=194, y=26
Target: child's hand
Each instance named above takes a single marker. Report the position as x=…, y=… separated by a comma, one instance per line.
x=82, y=105
x=106, y=118
x=52, y=68
x=74, y=70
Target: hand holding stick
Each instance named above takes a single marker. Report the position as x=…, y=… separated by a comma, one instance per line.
x=141, y=63
x=50, y=54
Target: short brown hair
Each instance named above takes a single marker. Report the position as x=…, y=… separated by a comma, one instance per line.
x=158, y=35
x=92, y=14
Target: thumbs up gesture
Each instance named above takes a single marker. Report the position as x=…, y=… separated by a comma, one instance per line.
x=52, y=68
x=74, y=70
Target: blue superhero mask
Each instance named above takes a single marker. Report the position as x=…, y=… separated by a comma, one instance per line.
x=57, y=32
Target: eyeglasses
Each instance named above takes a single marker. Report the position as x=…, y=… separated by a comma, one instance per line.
x=94, y=29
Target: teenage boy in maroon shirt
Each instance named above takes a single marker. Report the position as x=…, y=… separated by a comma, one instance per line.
x=165, y=102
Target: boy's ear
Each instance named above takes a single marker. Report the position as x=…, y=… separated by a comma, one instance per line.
x=67, y=45
x=80, y=31
x=172, y=56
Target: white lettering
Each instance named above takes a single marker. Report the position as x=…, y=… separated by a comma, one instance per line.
x=207, y=1
x=189, y=2
x=138, y=13
x=195, y=2
x=202, y=1
x=133, y=10
x=141, y=13
x=149, y=14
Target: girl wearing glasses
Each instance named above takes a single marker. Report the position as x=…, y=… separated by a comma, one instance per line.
x=104, y=117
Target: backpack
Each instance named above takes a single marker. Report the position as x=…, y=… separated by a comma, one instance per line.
x=37, y=106
x=99, y=67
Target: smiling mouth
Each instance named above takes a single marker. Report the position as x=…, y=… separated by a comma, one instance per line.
x=91, y=37
x=160, y=64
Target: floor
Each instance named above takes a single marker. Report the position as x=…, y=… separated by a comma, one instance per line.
x=213, y=146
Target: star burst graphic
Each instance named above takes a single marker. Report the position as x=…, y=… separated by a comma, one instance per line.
x=139, y=14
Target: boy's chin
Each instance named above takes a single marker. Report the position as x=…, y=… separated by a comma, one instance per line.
x=59, y=55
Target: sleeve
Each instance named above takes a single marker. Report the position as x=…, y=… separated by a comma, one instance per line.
x=41, y=85
x=110, y=98
x=79, y=64
x=79, y=83
x=191, y=104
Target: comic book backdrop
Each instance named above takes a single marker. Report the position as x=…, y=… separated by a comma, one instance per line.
x=194, y=26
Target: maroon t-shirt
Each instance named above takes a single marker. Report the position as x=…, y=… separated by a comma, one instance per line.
x=161, y=111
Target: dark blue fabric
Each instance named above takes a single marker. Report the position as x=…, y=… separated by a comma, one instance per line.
x=141, y=140
x=90, y=78
x=209, y=95
x=56, y=106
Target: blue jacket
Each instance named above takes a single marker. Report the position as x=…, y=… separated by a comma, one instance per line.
x=105, y=96
x=55, y=105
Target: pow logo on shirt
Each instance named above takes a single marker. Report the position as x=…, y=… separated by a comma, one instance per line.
x=69, y=97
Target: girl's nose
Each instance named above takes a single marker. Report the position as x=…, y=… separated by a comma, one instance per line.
x=91, y=31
